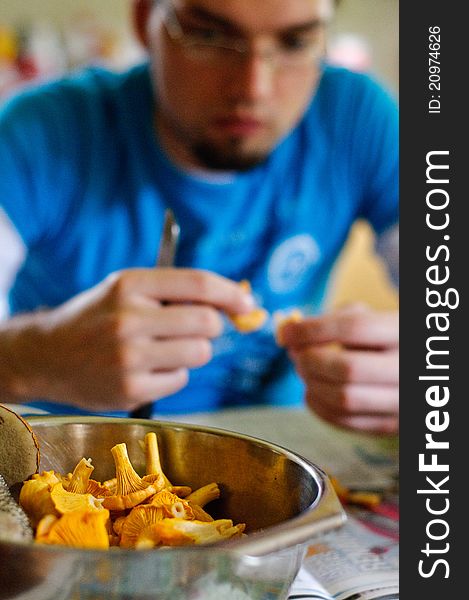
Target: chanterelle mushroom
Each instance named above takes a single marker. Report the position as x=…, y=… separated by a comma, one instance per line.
x=152, y=458
x=79, y=481
x=131, y=489
x=139, y=518
x=251, y=321
x=179, y=532
x=65, y=502
x=204, y=495
x=200, y=497
x=79, y=529
x=172, y=505
x=80, y=477
x=35, y=496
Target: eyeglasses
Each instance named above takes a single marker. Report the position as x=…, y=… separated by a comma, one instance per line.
x=207, y=44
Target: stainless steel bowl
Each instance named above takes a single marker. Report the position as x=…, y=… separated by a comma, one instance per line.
x=284, y=500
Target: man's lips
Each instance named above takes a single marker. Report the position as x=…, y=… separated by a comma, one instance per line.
x=238, y=125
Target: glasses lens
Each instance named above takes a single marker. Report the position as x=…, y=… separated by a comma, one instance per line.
x=208, y=44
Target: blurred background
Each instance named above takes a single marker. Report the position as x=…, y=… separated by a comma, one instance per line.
x=41, y=39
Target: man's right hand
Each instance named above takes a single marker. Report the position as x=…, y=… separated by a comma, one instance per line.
x=129, y=340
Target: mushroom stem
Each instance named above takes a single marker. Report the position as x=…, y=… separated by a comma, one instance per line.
x=80, y=477
x=128, y=480
x=204, y=495
x=152, y=457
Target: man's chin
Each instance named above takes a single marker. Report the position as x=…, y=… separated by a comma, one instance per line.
x=228, y=159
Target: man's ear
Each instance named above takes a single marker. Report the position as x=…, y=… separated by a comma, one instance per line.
x=141, y=10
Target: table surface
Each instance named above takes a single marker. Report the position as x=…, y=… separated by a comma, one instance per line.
x=357, y=460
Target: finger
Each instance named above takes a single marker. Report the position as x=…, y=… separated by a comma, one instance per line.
x=148, y=355
x=340, y=365
x=144, y=387
x=172, y=320
x=384, y=425
x=354, y=399
x=379, y=423
x=183, y=285
x=355, y=328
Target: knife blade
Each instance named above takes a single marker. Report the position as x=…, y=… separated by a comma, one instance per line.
x=165, y=258
x=169, y=240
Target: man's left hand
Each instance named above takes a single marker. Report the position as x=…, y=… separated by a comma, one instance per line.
x=349, y=362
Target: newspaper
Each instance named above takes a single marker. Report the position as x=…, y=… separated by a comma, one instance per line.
x=353, y=563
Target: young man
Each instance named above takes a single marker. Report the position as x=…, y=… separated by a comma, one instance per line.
x=266, y=157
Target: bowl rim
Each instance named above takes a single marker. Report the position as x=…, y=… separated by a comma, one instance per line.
x=294, y=531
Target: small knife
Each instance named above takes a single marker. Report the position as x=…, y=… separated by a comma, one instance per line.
x=169, y=240
x=166, y=254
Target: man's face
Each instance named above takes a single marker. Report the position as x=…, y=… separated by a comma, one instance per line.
x=228, y=109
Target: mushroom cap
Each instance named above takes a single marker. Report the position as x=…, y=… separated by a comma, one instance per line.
x=80, y=477
x=66, y=502
x=172, y=505
x=35, y=499
x=136, y=521
x=78, y=529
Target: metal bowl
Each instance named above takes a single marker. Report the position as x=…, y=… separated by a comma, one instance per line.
x=284, y=500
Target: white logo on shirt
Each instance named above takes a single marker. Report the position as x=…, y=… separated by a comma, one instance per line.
x=290, y=261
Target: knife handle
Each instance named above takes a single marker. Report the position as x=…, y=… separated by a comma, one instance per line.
x=143, y=412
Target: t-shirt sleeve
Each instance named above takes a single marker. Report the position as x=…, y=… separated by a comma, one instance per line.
x=376, y=145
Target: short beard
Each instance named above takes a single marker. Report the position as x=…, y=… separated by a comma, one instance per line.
x=212, y=158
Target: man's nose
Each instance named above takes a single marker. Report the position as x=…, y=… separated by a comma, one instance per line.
x=254, y=77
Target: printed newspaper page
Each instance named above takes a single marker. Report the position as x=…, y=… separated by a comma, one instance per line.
x=353, y=563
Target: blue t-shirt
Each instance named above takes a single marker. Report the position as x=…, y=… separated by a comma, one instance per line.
x=85, y=182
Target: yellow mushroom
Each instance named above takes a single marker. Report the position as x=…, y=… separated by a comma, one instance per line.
x=74, y=510
x=81, y=475
x=139, y=518
x=204, y=495
x=199, y=513
x=44, y=526
x=172, y=505
x=79, y=529
x=367, y=499
x=79, y=481
x=98, y=490
x=341, y=490
x=111, y=486
x=49, y=477
x=152, y=458
x=131, y=489
x=179, y=532
x=113, y=539
x=118, y=523
x=251, y=321
x=35, y=498
x=66, y=502
x=180, y=490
